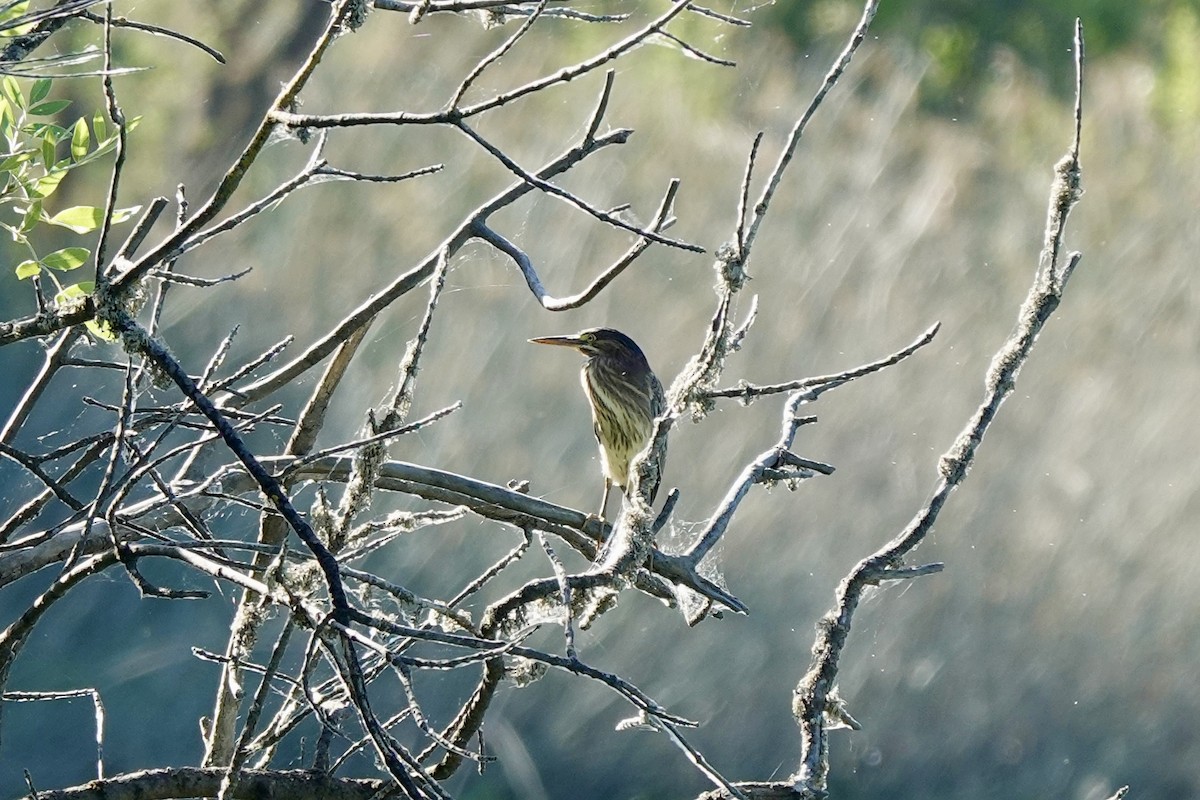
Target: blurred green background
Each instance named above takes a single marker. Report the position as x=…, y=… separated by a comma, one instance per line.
x=1057, y=654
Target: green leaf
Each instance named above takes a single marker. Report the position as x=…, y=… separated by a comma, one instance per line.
x=27, y=269
x=122, y=214
x=75, y=291
x=32, y=215
x=101, y=330
x=80, y=219
x=48, y=152
x=83, y=219
x=45, y=185
x=49, y=107
x=47, y=129
x=100, y=126
x=12, y=90
x=13, y=160
x=67, y=259
x=78, y=291
x=80, y=139
x=12, y=12
x=41, y=88
x=106, y=146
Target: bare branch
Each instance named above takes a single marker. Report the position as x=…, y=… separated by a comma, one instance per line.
x=813, y=692
x=56, y=356
x=521, y=259
x=206, y=782
x=416, y=9
x=753, y=473
x=817, y=386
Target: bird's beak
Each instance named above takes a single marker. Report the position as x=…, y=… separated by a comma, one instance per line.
x=561, y=341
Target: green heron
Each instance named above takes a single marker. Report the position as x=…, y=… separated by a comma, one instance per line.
x=625, y=396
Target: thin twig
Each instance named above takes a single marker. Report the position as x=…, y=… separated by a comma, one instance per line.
x=454, y=115
x=118, y=119
x=569, y=197
x=789, y=150
x=820, y=384
x=56, y=355
x=752, y=474
x=606, y=276
x=560, y=575
x=122, y=22
x=495, y=55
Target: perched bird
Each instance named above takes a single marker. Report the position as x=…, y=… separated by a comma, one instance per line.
x=625, y=396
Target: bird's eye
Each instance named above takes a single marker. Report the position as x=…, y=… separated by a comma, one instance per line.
x=588, y=337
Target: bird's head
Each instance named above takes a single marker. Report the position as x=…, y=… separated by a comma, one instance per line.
x=598, y=343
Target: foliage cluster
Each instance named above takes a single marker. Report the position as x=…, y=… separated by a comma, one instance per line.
x=965, y=40
x=38, y=155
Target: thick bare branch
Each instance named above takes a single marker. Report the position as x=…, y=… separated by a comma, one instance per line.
x=813, y=693
x=198, y=782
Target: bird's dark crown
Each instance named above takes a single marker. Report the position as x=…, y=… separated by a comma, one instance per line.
x=608, y=342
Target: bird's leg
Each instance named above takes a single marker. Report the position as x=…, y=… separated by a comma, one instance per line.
x=604, y=500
